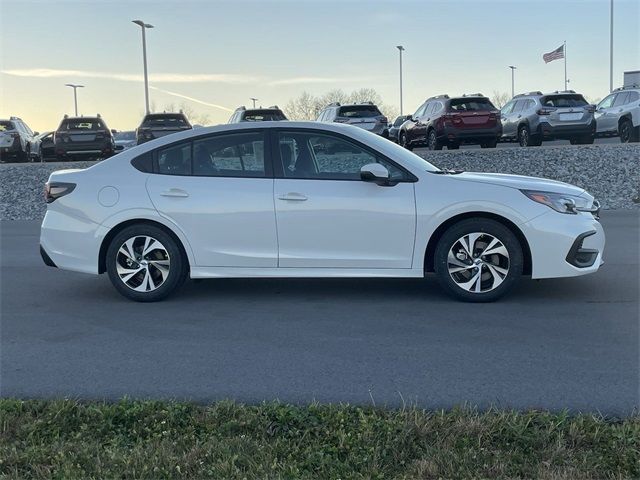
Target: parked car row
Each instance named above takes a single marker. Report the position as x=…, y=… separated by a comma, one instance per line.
x=528, y=118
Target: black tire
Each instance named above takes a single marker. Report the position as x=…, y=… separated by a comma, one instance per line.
x=489, y=144
x=177, y=263
x=487, y=227
x=404, y=141
x=627, y=132
x=526, y=139
x=432, y=141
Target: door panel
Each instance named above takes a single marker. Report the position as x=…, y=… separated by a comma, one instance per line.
x=217, y=191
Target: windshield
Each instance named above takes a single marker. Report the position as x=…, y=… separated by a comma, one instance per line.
x=165, y=121
x=564, y=101
x=264, y=116
x=4, y=126
x=359, y=111
x=82, y=124
x=471, y=105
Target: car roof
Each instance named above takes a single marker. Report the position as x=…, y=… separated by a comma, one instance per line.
x=164, y=114
x=82, y=118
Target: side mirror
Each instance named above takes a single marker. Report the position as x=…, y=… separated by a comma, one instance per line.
x=376, y=173
x=36, y=133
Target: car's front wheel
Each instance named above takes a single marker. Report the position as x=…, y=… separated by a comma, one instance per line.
x=145, y=263
x=478, y=260
x=404, y=141
x=627, y=132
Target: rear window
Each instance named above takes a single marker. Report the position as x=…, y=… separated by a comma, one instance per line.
x=359, y=111
x=4, y=126
x=561, y=101
x=264, y=116
x=83, y=124
x=175, y=121
x=471, y=104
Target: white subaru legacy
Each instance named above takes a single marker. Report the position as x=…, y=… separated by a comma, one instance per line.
x=305, y=199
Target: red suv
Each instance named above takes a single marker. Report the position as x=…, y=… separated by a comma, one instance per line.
x=446, y=121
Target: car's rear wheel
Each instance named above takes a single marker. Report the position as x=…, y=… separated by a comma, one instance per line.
x=627, y=132
x=145, y=263
x=478, y=260
x=432, y=141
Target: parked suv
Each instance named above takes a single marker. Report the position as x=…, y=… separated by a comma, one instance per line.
x=17, y=141
x=619, y=114
x=257, y=115
x=451, y=121
x=82, y=137
x=530, y=118
x=364, y=115
x=156, y=125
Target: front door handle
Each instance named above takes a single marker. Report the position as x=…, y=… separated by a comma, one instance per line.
x=292, y=196
x=174, y=192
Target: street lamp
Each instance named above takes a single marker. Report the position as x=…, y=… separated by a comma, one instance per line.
x=75, y=96
x=254, y=100
x=144, y=27
x=513, y=84
x=611, y=49
x=400, y=49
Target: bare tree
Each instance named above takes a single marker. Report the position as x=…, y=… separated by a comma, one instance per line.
x=500, y=99
x=305, y=107
x=194, y=117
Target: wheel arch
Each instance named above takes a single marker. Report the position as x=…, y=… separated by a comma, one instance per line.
x=106, y=241
x=438, y=232
x=626, y=116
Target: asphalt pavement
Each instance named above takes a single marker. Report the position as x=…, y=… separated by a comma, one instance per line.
x=554, y=344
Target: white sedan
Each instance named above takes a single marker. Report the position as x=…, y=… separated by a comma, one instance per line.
x=310, y=200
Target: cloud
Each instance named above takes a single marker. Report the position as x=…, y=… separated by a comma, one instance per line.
x=306, y=80
x=201, y=102
x=128, y=77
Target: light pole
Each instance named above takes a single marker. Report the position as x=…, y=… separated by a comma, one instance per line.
x=254, y=100
x=75, y=95
x=513, y=83
x=144, y=27
x=611, y=49
x=400, y=49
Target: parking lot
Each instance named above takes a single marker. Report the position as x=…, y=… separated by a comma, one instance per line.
x=567, y=343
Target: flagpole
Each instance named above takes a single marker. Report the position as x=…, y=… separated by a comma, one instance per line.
x=565, y=65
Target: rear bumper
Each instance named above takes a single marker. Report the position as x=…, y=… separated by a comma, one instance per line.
x=66, y=149
x=548, y=131
x=46, y=258
x=451, y=134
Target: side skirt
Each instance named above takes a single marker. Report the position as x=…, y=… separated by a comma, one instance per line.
x=239, y=272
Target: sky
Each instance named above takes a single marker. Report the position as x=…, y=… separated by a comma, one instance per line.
x=214, y=55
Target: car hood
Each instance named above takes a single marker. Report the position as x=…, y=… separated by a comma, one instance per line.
x=521, y=182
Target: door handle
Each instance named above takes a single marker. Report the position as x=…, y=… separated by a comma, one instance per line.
x=292, y=196
x=174, y=192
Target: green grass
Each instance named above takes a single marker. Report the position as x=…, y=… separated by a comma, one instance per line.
x=130, y=439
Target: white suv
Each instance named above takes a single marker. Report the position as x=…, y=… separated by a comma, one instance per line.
x=17, y=141
x=618, y=114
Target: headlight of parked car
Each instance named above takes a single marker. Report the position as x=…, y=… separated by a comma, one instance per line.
x=560, y=202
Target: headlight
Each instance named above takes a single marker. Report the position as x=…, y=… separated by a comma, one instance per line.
x=560, y=202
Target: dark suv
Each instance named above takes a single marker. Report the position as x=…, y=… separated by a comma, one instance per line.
x=271, y=114
x=81, y=137
x=451, y=121
x=156, y=125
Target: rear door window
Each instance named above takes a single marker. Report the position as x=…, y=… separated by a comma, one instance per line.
x=233, y=155
x=633, y=96
x=519, y=106
x=175, y=160
x=621, y=99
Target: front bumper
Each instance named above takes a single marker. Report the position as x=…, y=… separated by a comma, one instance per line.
x=548, y=131
x=564, y=245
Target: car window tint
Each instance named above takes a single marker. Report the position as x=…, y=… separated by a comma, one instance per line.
x=564, y=101
x=233, y=155
x=175, y=160
x=508, y=108
x=519, y=105
x=633, y=96
x=421, y=110
x=606, y=103
x=5, y=126
x=326, y=157
x=471, y=104
x=621, y=99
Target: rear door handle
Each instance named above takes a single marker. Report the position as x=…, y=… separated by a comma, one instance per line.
x=292, y=196
x=174, y=192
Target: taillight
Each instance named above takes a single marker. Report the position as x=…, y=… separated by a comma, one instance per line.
x=493, y=114
x=590, y=108
x=55, y=190
x=384, y=119
x=544, y=111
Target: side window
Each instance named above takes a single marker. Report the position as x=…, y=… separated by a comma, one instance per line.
x=508, y=108
x=175, y=160
x=519, y=106
x=420, y=110
x=233, y=155
x=323, y=116
x=326, y=157
x=529, y=105
x=633, y=97
x=607, y=102
x=437, y=107
x=621, y=99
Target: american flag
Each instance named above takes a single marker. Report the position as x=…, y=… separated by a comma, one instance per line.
x=557, y=54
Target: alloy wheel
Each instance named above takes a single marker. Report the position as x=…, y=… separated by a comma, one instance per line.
x=432, y=140
x=524, y=137
x=143, y=263
x=478, y=262
x=625, y=132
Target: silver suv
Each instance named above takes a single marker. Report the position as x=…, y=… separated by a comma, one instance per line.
x=530, y=118
x=364, y=115
x=17, y=141
x=619, y=114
